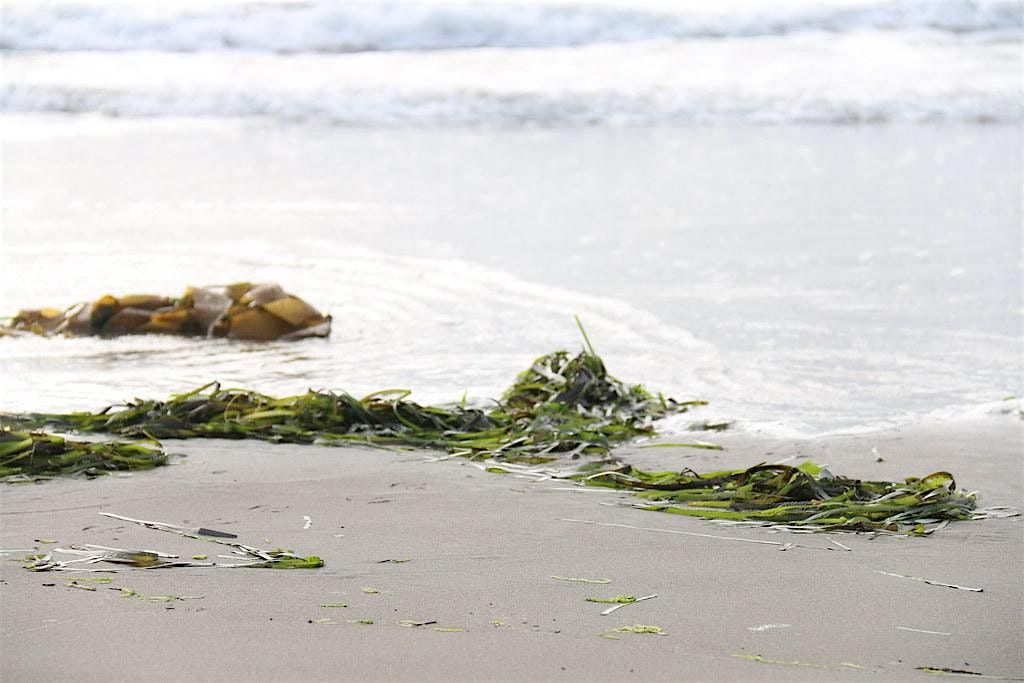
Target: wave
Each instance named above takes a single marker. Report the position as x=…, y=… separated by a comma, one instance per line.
x=432, y=25
x=860, y=78
x=398, y=109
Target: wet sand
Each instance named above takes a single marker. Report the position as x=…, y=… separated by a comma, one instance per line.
x=482, y=550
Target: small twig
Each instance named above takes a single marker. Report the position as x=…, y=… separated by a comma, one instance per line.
x=933, y=583
x=623, y=604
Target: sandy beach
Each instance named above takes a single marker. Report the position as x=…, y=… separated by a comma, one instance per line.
x=798, y=217
x=477, y=554
x=771, y=334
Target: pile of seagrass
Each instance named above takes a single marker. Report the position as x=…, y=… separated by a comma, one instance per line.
x=561, y=407
x=807, y=497
x=29, y=456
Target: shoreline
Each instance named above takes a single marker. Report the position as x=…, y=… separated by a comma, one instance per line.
x=482, y=551
x=698, y=279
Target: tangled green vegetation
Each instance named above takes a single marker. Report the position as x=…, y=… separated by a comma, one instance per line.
x=561, y=406
x=805, y=496
x=29, y=456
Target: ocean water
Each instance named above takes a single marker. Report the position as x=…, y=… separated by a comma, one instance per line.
x=514, y=62
x=807, y=213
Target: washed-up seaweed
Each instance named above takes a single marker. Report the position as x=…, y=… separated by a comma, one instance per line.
x=243, y=310
x=562, y=405
x=87, y=556
x=30, y=456
x=635, y=628
x=807, y=496
x=619, y=601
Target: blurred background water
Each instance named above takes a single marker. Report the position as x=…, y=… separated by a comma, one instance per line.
x=571, y=62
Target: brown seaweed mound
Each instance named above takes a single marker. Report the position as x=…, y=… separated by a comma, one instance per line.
x=257, y=312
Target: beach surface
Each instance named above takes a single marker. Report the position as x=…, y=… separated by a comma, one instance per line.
x=807, y=213
x=474, y=556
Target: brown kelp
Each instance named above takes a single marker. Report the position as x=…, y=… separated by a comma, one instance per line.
x=243, y=310
x=806, y=496
x=29, y=456
x=561, y=405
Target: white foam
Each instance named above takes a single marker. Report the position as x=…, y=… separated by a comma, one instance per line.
x=851, y=78
x=1010, y=407
x=436, y=24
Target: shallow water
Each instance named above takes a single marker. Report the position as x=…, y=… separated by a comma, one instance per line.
x=803, y=279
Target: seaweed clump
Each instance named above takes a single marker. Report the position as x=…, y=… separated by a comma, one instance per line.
x=560, y=406
x=564, y=403
x=807, y=496
x=30, y=456
x=255, y=312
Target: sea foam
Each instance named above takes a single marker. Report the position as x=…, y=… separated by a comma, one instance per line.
x=856, y=78
x=435, y=24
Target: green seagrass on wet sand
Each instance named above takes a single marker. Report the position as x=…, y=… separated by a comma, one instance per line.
x=560, y=408
x=26, y=456
x=808, y=497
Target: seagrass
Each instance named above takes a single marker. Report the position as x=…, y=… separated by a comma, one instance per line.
x=804, y=496
x=560, y=405
x=560, y=408
x=28, y=456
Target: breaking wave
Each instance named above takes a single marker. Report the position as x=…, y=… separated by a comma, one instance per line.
x=857, y=78
x=344, y=27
